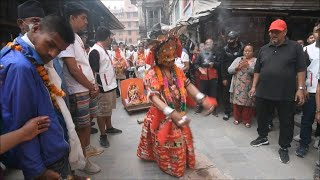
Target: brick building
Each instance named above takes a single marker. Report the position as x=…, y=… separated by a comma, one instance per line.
x=128, y=16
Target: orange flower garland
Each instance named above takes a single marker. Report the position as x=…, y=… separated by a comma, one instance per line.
x=53, y=90
x=180, y=76
x=159, y=74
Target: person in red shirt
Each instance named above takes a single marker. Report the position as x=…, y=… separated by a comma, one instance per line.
x=207, y=63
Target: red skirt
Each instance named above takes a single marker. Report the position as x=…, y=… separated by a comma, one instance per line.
x=175, y=154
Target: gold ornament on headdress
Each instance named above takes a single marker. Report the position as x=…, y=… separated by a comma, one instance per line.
x=166, y=47
x=167, y=51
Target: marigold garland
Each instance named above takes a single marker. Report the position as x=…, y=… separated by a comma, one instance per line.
x=53, y=90
x=179, y=82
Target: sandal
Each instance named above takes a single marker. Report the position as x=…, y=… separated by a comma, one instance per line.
x=235, y=122
x=248, y=125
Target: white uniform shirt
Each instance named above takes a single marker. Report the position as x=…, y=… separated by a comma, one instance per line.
x=78, y=52
x=313, y=68
x=179, y=62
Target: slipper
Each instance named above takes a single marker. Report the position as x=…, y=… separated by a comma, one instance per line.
x=235, y=122
x=248, y=125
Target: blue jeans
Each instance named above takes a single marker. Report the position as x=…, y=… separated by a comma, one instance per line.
x=307, y=119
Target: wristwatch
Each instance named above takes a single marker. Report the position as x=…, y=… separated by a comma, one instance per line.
x=301, y=88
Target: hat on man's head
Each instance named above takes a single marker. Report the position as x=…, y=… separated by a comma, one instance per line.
x=278, y=24
x=72, y=7
x=31, y=8
x=233, y=34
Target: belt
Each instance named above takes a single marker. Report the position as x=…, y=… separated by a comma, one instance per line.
x=109, y=90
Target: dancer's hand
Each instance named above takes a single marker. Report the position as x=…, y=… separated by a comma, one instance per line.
x=205, y=104
x=208, y=106
x=176, y=117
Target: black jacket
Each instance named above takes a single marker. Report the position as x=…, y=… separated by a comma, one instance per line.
x=228, y=55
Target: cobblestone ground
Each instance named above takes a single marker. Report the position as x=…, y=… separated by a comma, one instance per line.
x=222, y=149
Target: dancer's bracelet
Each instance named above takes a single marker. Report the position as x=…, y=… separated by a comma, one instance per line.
x=182, y=120
x=199, y=97
x=167, y=111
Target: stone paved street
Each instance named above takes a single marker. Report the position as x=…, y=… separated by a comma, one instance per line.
x=223, y=152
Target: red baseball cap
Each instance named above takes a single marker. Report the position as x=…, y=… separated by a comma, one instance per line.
x=278, y=25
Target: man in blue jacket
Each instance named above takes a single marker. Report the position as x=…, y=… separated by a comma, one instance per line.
x=24, y=95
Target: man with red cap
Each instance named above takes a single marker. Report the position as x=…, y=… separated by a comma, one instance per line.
x=279, y=69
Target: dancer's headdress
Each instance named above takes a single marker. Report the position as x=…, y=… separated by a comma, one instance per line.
x=165, y=45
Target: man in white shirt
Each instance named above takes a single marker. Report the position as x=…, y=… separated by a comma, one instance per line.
x=309, y=109
x=80, y=84
x=130, y=56
x=122, y=48
x=316, y=30
x=311, y=38
x=183, y=61
x=100, y=63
